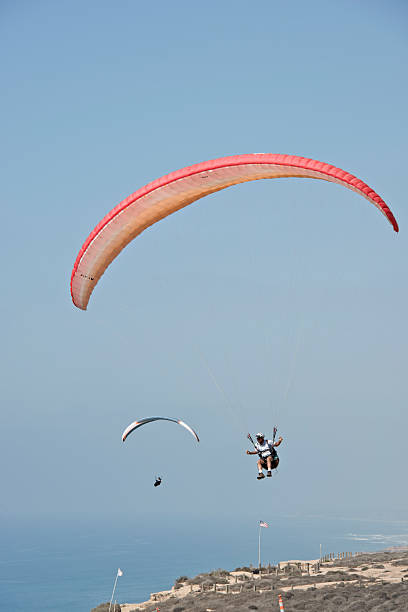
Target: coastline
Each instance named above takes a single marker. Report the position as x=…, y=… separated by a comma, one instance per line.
x=388, y=567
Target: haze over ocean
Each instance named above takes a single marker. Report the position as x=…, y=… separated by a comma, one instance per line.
x=280, y=302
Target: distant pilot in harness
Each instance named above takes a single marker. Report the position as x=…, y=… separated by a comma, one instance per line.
x=158, y=482
x=268, y=457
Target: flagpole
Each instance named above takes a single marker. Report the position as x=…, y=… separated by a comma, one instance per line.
x=259, y=546
x=113, y=592
x=118, y=573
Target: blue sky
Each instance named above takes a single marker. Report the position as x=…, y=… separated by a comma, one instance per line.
x=292, y=292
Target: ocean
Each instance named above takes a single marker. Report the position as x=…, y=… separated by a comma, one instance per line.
x=71, y=565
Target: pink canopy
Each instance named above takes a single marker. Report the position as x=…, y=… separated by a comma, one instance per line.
x=174, y=191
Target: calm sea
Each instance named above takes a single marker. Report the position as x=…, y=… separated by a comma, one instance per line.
x=71, y=566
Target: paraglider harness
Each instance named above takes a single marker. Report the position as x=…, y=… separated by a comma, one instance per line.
x=274, y=454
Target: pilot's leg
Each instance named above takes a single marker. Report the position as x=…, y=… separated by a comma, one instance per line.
x=260, y=467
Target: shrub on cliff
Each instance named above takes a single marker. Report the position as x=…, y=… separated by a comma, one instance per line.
x=104, y=607
x=219, y=572
x=180, y=582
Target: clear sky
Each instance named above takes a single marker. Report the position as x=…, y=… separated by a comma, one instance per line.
x=291, y=293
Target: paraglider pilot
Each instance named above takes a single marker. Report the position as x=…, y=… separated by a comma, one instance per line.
x=268, y=457
x=158, y=481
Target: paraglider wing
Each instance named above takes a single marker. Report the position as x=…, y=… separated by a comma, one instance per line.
x=189, y=429
x=136, y=424
x=174, y=191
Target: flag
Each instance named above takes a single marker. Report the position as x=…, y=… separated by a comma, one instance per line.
x=263, y=524
x=120, y=573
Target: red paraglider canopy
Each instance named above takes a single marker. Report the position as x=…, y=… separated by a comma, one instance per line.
x=174, y=191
